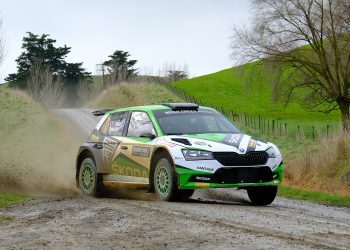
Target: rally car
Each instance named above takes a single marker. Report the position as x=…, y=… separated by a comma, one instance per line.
x=174, y=149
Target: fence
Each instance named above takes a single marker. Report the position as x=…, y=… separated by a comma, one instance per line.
x=261, y=125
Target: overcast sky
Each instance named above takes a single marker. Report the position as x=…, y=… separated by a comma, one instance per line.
x=195, y=32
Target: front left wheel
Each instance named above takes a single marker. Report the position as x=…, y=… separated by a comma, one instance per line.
x=165, y=180
x=90, y=182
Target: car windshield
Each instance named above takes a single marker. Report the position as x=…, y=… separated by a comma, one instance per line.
x=199, y=121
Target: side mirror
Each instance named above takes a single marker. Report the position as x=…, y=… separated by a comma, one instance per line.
x=148, y=135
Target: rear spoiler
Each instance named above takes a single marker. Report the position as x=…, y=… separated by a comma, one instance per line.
x=101, y=112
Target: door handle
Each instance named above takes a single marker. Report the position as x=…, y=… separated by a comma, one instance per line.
x=124, y=147
x=98, y=146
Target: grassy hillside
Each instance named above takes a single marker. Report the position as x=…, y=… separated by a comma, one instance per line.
x=132, y=95
x=248, y=89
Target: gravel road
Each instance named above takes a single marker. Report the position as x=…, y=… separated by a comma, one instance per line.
x=220, y=219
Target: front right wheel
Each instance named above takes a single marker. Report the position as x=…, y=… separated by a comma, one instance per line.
x=262, y=196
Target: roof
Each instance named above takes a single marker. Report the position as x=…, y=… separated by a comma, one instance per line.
x=146, y=108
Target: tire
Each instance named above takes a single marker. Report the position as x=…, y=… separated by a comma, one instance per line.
x=184, y=194
x=262, y=196
x=90, y=182
x=165, y=180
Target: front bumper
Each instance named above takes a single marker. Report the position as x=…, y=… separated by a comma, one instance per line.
x=192, y=179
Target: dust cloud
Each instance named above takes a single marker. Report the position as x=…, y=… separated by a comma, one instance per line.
x=39, y=159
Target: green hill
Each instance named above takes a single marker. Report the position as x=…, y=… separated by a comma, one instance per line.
x=248, y=89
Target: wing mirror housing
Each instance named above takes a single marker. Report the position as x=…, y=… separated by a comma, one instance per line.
x=148, y=135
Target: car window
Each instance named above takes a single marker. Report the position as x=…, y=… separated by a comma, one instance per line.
x=105, y=126
x=140, y=123
x=117, y=123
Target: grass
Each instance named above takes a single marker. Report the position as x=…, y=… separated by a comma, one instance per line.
x=249, y=89
x=314, y=196
x=8, y=199
x=5, y=218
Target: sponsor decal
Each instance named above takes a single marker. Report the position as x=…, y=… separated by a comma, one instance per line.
x=123, y=165
x=203, y=178
x=200, y=143
x=241, y=150
x=170, y=112
x=170, y=144
x=119, y=169
x=233, y=139
x=94, y=137
x=205, y=168
x=109, y=146
x=201, y=184
x=251, y=145
x=141, y=151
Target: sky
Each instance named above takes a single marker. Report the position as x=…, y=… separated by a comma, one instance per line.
x=155, y=32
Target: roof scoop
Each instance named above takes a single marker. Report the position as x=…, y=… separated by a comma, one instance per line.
x=182, y=106
x=100, y=112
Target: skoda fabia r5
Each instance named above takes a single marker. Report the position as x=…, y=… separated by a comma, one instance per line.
x=174, y=149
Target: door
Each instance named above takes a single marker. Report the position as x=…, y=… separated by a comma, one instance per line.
x=136, y=147
x=115, y=130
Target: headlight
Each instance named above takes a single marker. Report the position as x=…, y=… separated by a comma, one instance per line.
x=271, y=152
x=194, y=155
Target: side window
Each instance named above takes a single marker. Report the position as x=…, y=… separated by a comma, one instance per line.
x=105, y=126
x=140, y=123
x=117, y=123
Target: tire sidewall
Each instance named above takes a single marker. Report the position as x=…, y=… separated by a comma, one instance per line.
x=91, y=164
x=170, y=194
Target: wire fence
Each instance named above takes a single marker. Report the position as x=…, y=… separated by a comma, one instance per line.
x=257, y=124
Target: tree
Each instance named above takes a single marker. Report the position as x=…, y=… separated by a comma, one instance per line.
x=43, y=86
x=171, y=72
x=2, y=45
x=177, y=73
x=119, y=67
x=307, y=39
x=42, y=50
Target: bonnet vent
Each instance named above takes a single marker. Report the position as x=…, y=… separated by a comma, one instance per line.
x=182, y=140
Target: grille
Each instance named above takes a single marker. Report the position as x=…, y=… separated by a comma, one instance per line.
x=243, y=175
x=234, y=159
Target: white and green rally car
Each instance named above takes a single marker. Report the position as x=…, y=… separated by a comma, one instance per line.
x=174, y=149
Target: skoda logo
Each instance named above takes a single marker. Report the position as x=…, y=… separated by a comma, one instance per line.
x=241, y=150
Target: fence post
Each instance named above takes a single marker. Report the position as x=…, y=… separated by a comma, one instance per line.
x=285, y=129
x=313, y=132
x=233, y=116
x=273, y=126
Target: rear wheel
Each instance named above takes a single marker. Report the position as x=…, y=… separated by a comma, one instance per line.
x=262, y=196
x=90, y=182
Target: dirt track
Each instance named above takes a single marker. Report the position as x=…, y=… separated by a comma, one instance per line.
x=140, y=221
